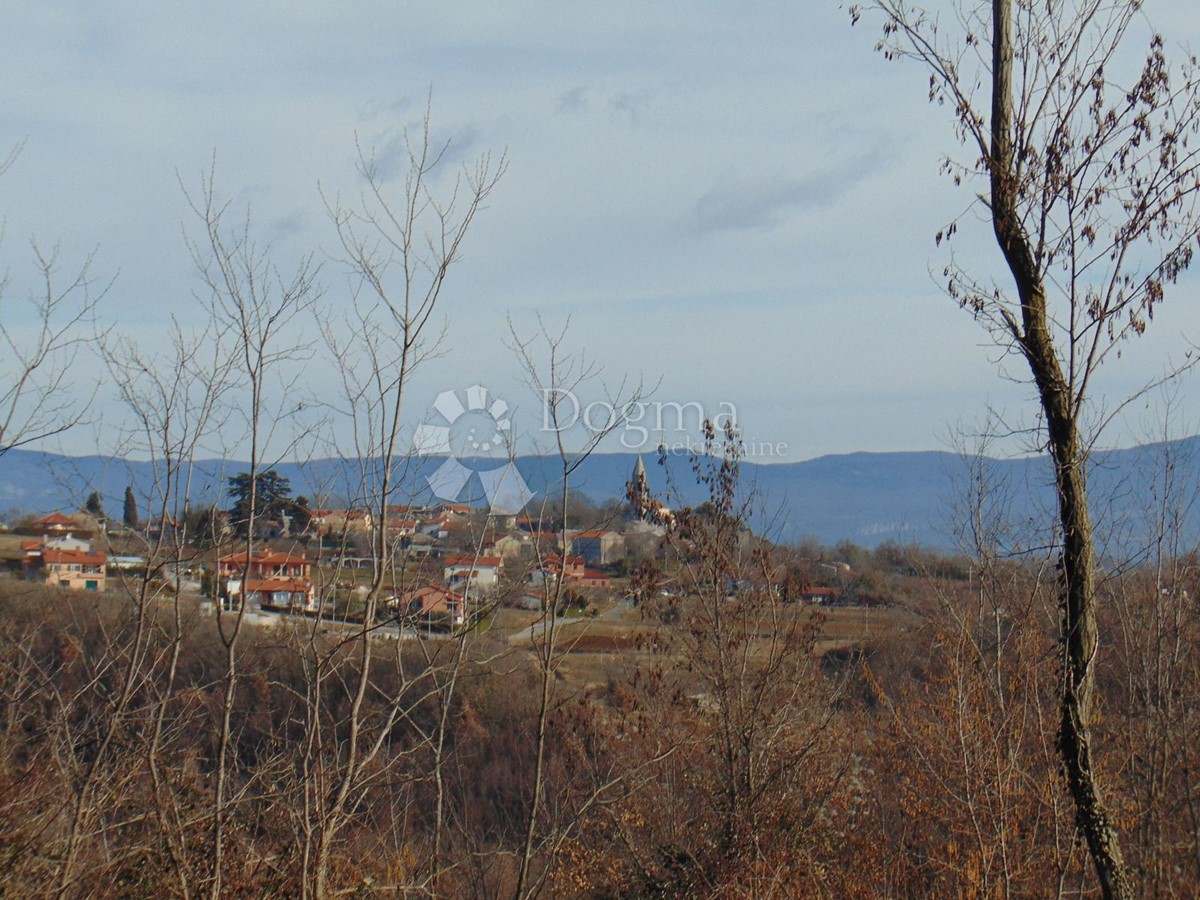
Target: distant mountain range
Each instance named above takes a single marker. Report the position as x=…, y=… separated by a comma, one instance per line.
x=865, y=498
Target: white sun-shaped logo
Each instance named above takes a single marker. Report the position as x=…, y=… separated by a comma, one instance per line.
x=475, y=426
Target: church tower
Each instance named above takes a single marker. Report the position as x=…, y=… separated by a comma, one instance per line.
x=638, y=490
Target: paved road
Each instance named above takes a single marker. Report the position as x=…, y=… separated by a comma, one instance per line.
x=618, y=609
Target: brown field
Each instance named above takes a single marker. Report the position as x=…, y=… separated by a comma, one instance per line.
x=596, y=648
x=10, y=546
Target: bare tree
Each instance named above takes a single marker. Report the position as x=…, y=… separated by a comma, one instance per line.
x=257, y=305
x=173, y=402
x=745, y=668
x=40, y=343
x=554, y=375
x=398, y=248
x=1090, y=182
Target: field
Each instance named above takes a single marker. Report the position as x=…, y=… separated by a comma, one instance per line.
x=619, y=636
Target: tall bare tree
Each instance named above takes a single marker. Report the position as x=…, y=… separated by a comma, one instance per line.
x=256, y=304
x=554, y=374
x=398, y=244
x=172, y=398
x=40, y=342
x=1087, y=168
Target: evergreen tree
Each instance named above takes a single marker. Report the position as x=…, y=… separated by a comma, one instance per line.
x=94, y=506
x=131, y=510
x=273, y=498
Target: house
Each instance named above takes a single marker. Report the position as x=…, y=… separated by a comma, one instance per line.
x=510, y=547
x=273, y=578
x=593, y=578
x=573, y=571
x=69, y=566
x=818, y=595
x=438, y=527
x=570, y=567
x=65, y=542
x=282, y=593
x=546, y=541
x=598, y=546
x=479, y=572
x=432, y=601
x=406, y=510
x=401, y=529
x=59, y=525
x=165, y=526
x=333, y=522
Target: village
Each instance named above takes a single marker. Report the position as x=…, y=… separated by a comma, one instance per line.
x=446, y=567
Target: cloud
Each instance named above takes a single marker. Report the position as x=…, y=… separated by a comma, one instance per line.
x=385, y=108
x=579, y=99
x=291, y=225
x=390, y=155
x=573, y=101
x=631, y=104
x=763, y=202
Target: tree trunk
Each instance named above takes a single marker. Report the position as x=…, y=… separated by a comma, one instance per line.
x=1077, y=589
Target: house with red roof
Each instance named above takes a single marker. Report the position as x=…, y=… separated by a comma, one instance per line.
x=59, y=524
x=274, y=579
x=432, y=602
x=573, y=570
x=65, y=564
x=819, y=595
x=570, y=566
x=594, y=578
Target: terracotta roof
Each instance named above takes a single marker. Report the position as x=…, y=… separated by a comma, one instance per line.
x=475, y=562
x=76, y=557
x=264, y=556
x=292, y=585
x=55, y=519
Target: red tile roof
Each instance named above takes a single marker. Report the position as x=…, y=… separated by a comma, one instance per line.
x=73, y=557
x=264, y=556
x=55, y=520
x=477, y=562
x=291, y=585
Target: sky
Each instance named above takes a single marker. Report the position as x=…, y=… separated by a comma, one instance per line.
x=731, y=203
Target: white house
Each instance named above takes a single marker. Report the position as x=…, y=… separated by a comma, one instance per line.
x=480, y=573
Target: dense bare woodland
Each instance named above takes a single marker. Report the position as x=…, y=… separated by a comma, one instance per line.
x=1022, y=718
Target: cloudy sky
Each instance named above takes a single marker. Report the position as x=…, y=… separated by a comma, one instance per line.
x=735, y=202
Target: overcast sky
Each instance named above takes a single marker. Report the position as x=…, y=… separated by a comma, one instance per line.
x=734, y=201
